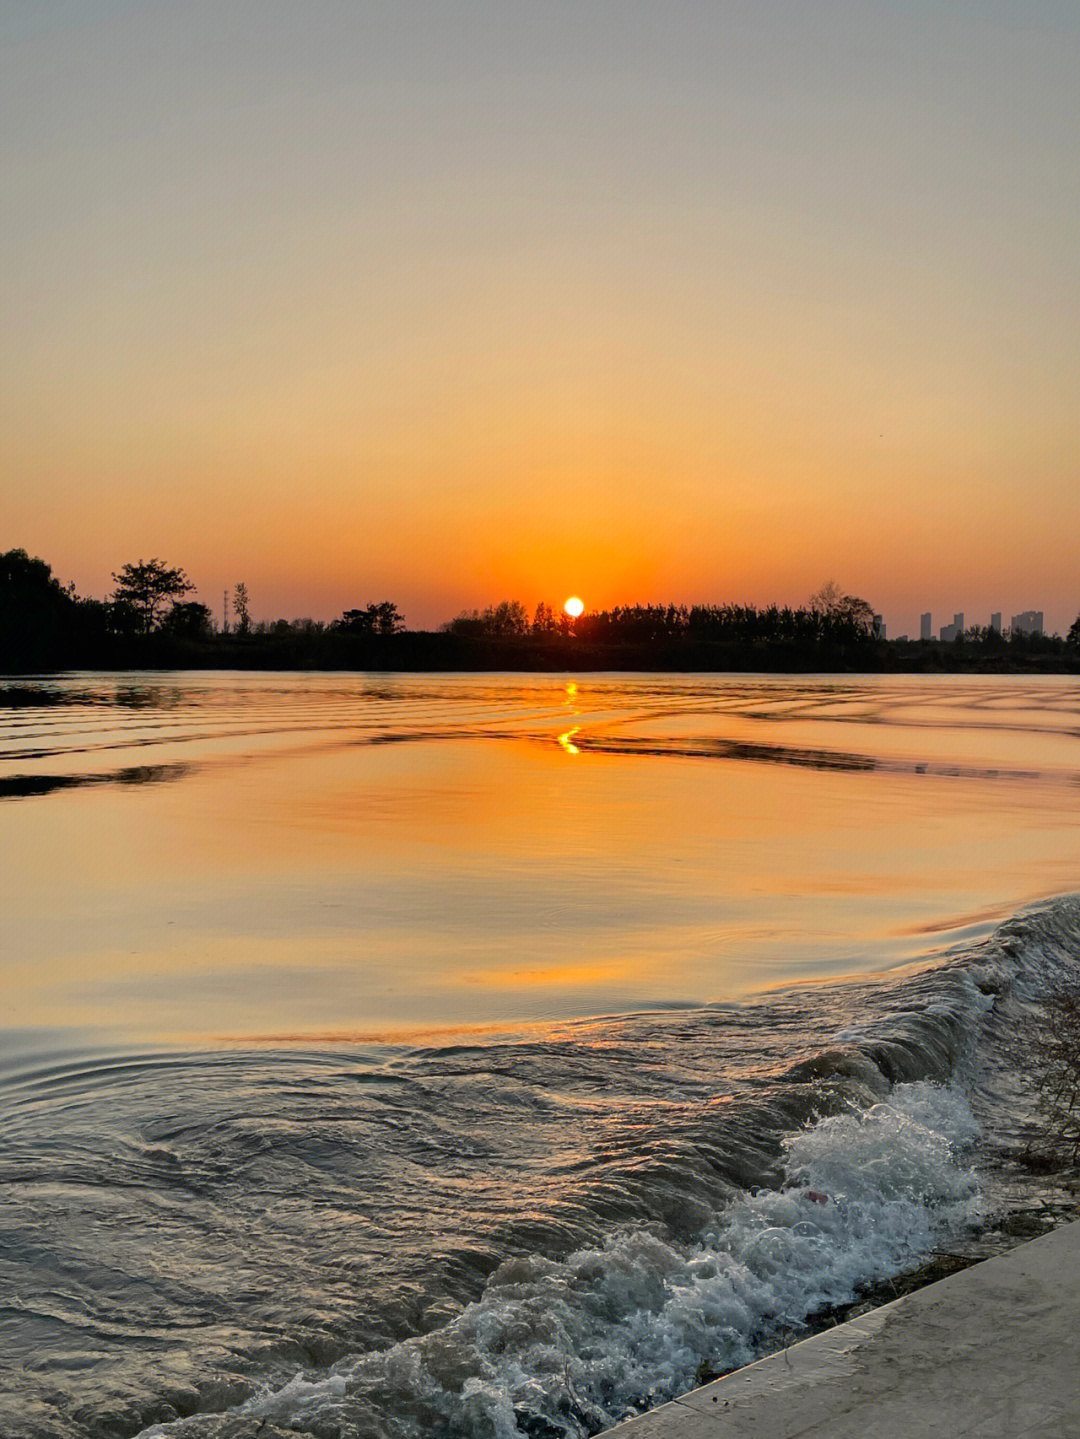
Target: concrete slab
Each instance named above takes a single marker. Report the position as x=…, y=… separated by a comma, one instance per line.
x=990, y=1353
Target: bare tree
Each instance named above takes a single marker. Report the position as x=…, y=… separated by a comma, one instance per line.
x=240, y=609
x=848, y=611
x=1053, y=1062
x=826, y=600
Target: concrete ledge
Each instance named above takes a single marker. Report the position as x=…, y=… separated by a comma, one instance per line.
x=990, y=1353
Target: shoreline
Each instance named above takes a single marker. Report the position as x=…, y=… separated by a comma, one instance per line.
x=1017, y=1227
x=988, y=1351
x=330, y=649
x=16, y=692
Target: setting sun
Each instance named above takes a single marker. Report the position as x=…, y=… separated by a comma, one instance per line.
x=574, y=607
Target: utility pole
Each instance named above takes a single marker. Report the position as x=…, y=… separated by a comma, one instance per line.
x=224, y=612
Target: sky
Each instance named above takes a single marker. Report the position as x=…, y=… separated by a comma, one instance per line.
x=455, y=303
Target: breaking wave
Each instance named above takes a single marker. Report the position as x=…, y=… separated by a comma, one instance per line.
x=829, y=1158
x=571, y=1346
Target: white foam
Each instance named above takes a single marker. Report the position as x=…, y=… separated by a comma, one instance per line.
x=610, y=1330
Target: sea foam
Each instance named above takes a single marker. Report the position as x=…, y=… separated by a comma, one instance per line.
x=567, y=1348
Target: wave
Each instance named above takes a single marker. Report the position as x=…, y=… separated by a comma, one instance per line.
x=572, y=1346
x=831, y=1165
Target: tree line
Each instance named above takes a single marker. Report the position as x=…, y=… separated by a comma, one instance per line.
x=147, y=614
x=151, y=619
x=829, y=617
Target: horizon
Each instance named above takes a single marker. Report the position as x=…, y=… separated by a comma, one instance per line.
x=451, y=305
x=893, y=630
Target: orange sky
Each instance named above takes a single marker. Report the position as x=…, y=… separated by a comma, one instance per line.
x=516, y=302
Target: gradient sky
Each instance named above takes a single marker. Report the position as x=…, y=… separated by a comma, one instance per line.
x=451, y=303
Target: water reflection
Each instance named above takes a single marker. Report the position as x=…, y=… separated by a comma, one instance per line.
x=29, y=697
x=352, y=855
x=33, y=786
x=814, y=759
x=566, y=740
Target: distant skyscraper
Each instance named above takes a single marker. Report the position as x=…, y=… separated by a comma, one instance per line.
x=995, y=622
x=1028, y=623
x=950, y=632
x=879, y=627
x=926, y=626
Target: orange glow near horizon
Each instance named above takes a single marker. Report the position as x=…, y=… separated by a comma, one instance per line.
x=377, y=328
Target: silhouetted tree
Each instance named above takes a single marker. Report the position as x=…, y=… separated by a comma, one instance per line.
x=378, y=619
x=1072, y=639
x=27, y=585
x=858, y=614
x=825, y=600
x=844, y=616
x=148, y=587
x=93, y=625
x=543, y=620
x=123, y=618
x=35, y=611
x=468, y=622
x=240, y=609
x=985, y=636
x=506, y=619
x=188, y=620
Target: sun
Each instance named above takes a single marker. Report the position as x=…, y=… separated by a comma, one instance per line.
x=574, y=607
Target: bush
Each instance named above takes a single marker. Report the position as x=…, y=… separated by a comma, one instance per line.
x=1054, y=1064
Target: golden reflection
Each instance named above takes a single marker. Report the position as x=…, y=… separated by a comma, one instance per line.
x=289, y=884
x=497, y=979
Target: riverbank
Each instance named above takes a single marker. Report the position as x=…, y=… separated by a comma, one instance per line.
x=319, y=647
x=989, y=1352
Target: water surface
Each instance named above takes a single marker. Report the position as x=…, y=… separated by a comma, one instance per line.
x=490, y=1057
x=266, y=854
